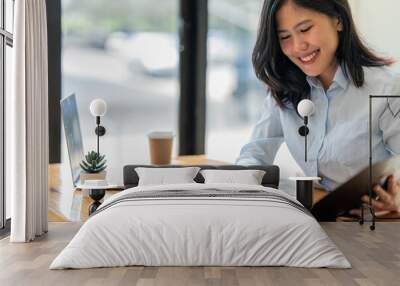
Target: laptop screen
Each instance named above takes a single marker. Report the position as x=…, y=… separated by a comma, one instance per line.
x=73, y=135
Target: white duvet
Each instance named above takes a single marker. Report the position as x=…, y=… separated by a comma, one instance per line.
x=200, y=231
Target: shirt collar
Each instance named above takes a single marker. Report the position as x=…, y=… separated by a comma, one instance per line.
x=340, y=79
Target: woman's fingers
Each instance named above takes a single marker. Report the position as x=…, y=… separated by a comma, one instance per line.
x=365, y=199
x=383, y=195
x=378, y=206
x=392, y=185
x=387, y=200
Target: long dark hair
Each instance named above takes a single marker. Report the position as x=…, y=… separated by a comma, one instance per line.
x=285, y=80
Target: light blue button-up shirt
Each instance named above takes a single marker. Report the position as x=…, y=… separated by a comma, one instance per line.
x=338, y=142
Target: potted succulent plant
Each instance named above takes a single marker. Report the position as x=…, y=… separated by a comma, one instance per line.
x=93, y=167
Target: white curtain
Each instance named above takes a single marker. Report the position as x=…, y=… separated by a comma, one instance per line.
x=27, y=122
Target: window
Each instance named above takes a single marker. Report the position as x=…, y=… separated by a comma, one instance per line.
x=234, y=95
x=127, y=55
x=6, y=42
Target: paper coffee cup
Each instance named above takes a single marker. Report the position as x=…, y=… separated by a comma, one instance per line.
x=160, y=143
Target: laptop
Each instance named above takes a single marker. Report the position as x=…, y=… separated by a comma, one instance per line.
x=73, y=136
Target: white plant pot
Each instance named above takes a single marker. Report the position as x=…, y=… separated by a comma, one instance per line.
x=92, y=176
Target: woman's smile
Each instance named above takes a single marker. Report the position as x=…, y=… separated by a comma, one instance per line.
x=311, y=58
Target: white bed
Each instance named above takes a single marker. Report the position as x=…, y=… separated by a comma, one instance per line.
x=267, y=228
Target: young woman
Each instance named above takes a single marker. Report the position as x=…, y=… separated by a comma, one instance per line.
x=309, y=49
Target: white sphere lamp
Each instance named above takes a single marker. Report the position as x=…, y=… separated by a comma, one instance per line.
x=305, y=108
x=98, y=108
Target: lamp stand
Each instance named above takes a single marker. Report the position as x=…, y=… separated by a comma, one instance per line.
x=303, y=131
x=100, y=131
x=305, y=137
x=369, y=205
x=98, y=125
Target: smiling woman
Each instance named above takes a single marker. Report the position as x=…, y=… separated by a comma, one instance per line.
x=294, y=32
x=310, y=49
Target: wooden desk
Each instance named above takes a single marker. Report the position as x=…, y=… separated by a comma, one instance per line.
x=65, y=205
x=197, y=160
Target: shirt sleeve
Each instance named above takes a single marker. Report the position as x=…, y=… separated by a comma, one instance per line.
x=389, y=121
x=266, y=138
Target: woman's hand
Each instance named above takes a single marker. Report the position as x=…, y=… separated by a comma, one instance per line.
x=386, y=200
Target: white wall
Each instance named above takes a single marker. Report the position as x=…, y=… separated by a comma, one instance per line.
x=378, y=22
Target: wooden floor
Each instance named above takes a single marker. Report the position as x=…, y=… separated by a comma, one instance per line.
x=375, y=257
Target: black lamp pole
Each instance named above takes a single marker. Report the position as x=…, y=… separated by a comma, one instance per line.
x=369, y=206
x=98, y=108
x=97, y=132
x=100, y=131
x=305, y=137
x=303, y=131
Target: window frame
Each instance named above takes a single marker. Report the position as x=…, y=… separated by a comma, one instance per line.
x=192, y=79
x=53, y=14
x=193, y=19
x=6, y=39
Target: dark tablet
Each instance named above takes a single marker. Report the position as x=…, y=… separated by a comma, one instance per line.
x=348, y=195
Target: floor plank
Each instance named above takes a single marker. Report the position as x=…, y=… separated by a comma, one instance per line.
x=375, y=257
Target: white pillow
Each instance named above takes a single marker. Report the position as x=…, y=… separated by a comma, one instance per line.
x=165, y=176
x=248, y=177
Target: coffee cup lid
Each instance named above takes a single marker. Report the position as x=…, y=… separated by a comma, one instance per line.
x=160, y=134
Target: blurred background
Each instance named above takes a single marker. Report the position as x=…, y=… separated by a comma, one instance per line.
x=127, y=53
